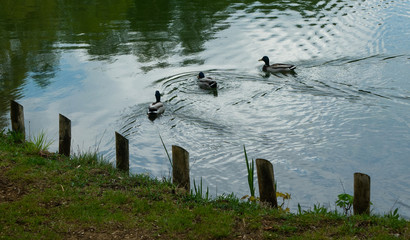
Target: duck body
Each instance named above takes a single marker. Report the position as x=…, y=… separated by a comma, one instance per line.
x=157, y=107
x=206, y=82
x=276, y=67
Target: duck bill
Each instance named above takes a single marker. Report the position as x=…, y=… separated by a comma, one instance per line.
x=260, y=60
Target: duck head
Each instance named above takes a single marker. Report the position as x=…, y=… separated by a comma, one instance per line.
x=201, y=75
x=265, y=59
x=158, y=96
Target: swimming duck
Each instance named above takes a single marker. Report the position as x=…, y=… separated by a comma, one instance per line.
x=206, y=82
x=157, y=107
x=276, y=67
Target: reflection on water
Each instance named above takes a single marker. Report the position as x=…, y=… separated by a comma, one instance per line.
x=344, y=110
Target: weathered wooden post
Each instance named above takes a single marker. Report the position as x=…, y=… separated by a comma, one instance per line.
x=266, y=182
x=17, y=118
x=122, y=152
x=361, y=197
x=180, y=167
x=64, y=135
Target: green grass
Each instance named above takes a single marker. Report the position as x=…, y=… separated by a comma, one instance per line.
x=49, y=196
x=250, y=167
x=198, y=192
x=40, y=143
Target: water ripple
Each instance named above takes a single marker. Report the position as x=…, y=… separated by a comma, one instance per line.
x=338, y=114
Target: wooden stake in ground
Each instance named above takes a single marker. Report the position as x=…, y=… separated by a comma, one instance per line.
x=17, y=118
x=64, y=143
x=180, y=167
x=361, y=198
x=122, y=152
x=266, y=182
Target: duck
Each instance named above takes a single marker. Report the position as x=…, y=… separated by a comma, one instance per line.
x=206, y=82
x=276, y=67
x=157, y=107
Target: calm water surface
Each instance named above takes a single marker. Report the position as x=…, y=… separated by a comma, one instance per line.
x=345, y=110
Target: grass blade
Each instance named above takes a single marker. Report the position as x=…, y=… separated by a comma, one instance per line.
x=163, y=144
x=250, y=168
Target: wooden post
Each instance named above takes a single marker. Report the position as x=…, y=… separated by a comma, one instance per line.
x=122, y=152
x=17, y=118
x=361, y=198
x=64, y=146
x=266, y=182
x=180, y=167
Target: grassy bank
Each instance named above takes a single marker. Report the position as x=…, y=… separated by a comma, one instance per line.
x=47, y=196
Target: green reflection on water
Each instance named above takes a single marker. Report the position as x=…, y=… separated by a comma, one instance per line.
x=32, y=34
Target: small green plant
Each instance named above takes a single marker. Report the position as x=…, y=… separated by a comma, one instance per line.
x=197, y=192
x=16, y=137
x=393, y=214
x=90, y=157
x=251, y=169
x=300, y=212
x=39, y=144
x=285, y=197
x=345, y=201
x=317, y=209
x=393, y=219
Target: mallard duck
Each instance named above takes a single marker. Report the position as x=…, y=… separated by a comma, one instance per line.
x=157, y=107
x=276, y=67
x=206, y=82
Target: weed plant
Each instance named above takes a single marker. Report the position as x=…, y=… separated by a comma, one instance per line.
x=15, y=137
x=198, y=193
x=250, y=167
x=39, y=143
x=345, y=201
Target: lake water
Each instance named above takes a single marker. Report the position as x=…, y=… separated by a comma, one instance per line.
x=345, y=110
